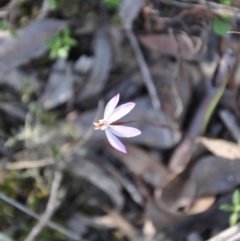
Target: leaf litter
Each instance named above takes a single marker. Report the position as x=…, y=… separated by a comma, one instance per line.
x=164, y=57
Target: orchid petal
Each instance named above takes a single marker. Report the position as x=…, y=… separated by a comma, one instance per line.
x=111, y=105
x=113, y=140
x=121, y=111
x=124, y=131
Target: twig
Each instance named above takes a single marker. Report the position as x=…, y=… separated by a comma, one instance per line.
x=148, y=81
x=214, y=7
x=229, y=234
x=52, y=205
x=57, y=227
x=44, y=10
x=29, y=164
x=144, y=70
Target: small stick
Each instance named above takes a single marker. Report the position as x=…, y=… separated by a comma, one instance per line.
x=148, y=81
x=29, y=164
x=44, y=10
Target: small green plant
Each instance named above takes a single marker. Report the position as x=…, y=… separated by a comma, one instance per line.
x=226, y=2
x=60, y=44
x=45, y=117
x=53, y=4
x=223, y=24
x=220, y=27
x=111, y=3
x=234, y=208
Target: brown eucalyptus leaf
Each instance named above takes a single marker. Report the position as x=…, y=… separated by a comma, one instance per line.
x=29, y=43
x=201, y=205
x=180, y=45
x=178, y=194
x=101, y=65
x=221, y=148
x=141, y=163
x=59, y=87
x=215, y=175
x=161, y=217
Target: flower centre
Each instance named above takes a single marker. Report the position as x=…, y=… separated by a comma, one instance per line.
x=102, y=125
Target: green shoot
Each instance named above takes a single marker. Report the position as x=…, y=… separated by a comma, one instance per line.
x=60, y=44
x=226, y=2
x=234, y=208
x=111, y=3
x=214, y=103
x=52, y=4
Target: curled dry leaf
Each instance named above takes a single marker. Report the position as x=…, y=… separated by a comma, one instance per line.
x=29, y=43
x=179, y=46
x=221, y=148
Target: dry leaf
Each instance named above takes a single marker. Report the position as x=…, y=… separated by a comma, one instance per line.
x=29, y=43
x=86, y=169
x=178, y=194
x=179, y=46
x=221, y=148
x=201, y=204
x=214, y=175
x=59, y=88
x=141, y=163
x=101, y=66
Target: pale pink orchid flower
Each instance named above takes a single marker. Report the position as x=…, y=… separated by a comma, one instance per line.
x=112, y=128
